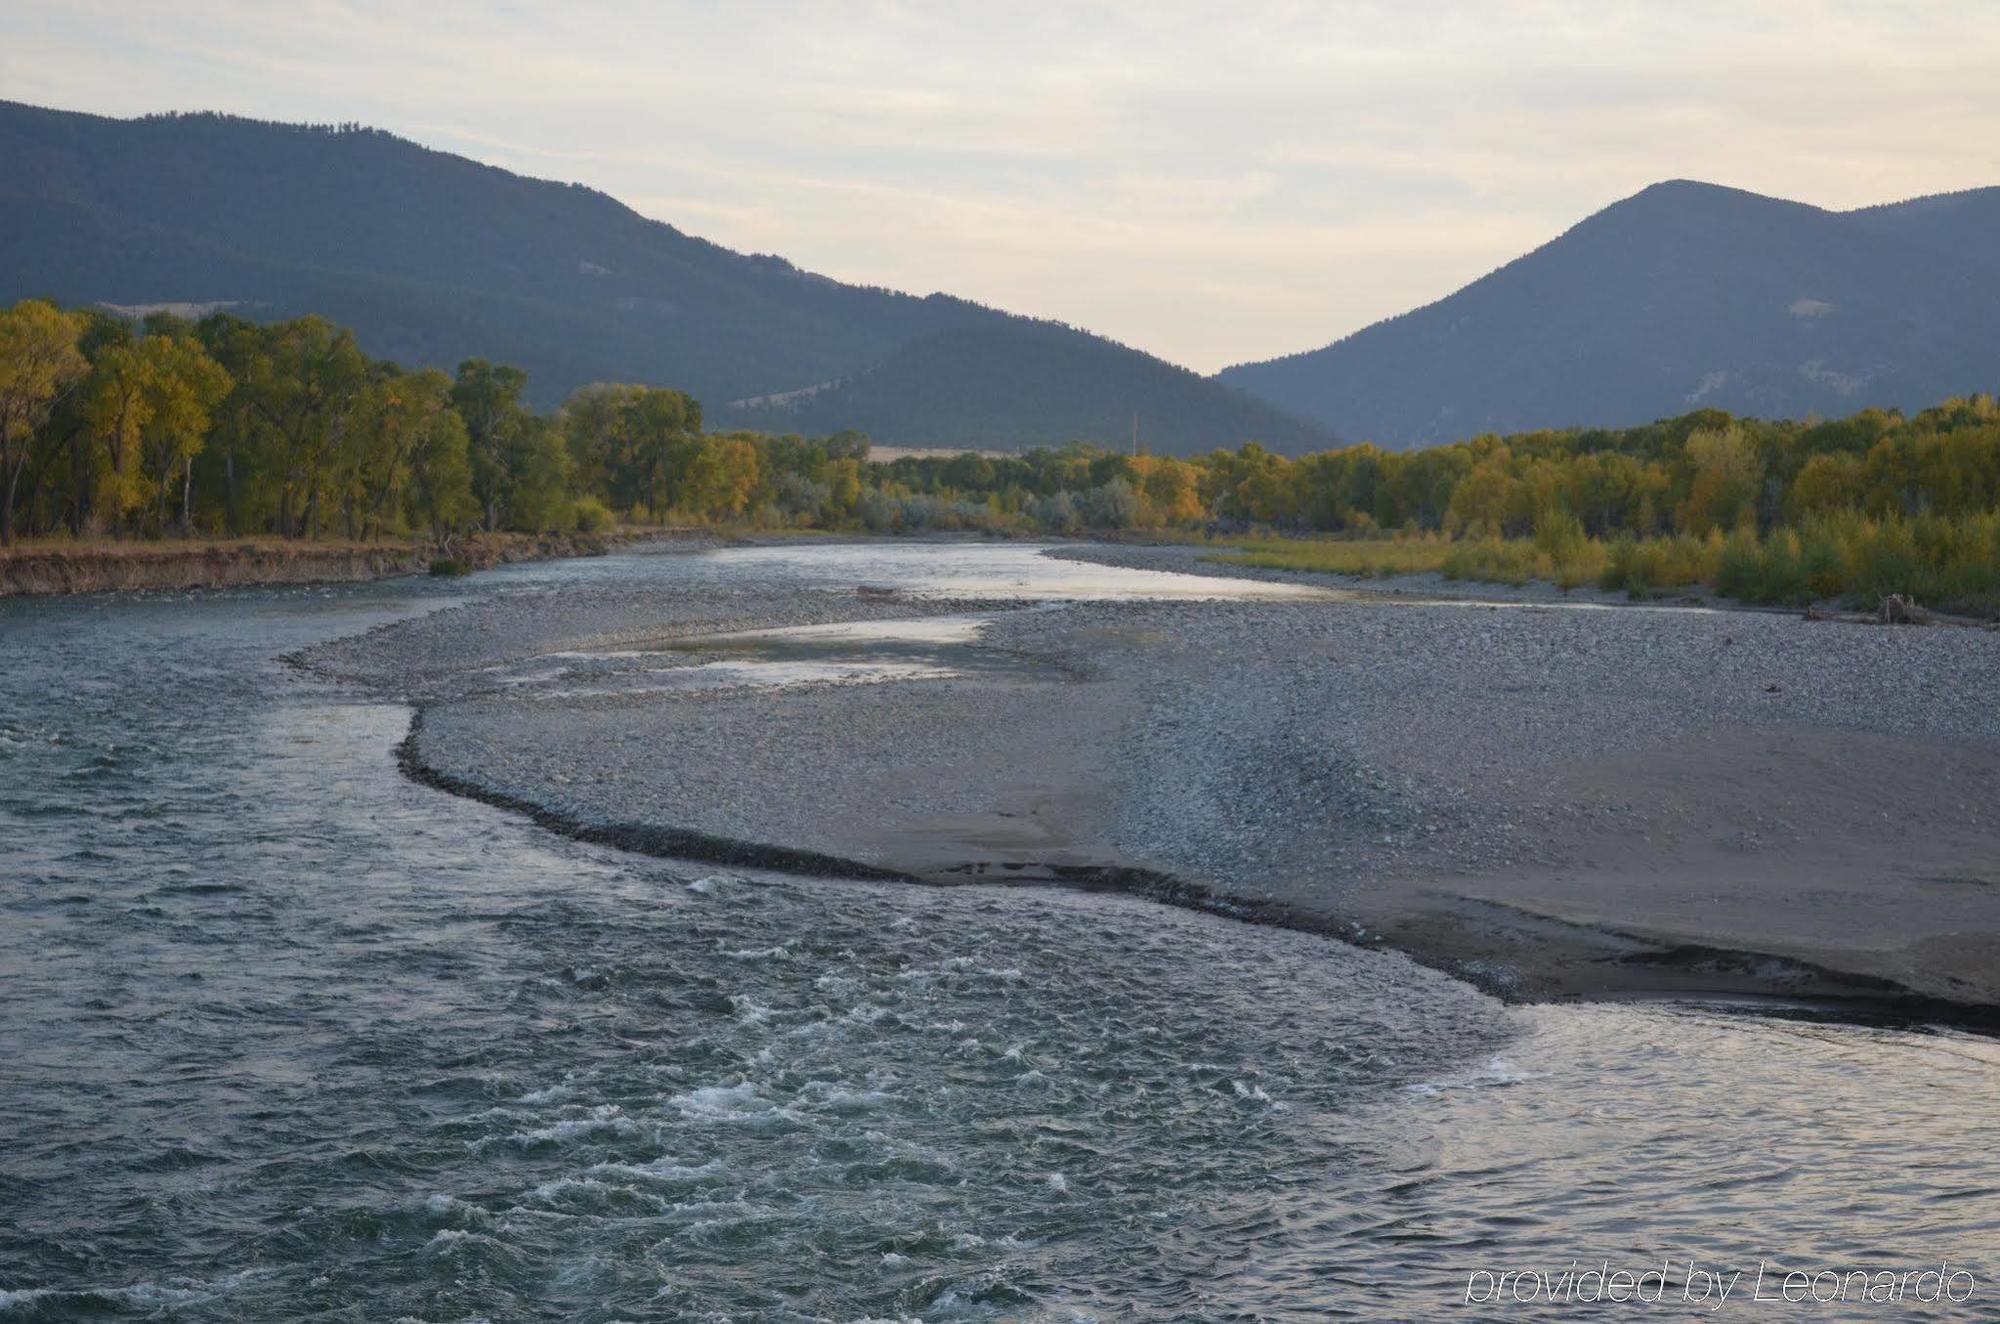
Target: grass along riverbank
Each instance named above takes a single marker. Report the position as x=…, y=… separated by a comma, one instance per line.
x=1949, y=564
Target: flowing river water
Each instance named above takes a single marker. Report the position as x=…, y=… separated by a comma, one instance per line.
x=285, y=1036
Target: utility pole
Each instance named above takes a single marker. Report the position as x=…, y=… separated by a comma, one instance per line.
x=1135, y=434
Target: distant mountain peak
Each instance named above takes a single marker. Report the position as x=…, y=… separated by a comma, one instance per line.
x=1682, y=291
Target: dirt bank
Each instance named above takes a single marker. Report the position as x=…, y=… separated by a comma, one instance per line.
x=123, y=566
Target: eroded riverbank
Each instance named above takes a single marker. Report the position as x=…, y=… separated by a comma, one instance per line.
x=59, y=569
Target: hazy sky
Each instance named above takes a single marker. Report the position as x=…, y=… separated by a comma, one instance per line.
x=1209, y=182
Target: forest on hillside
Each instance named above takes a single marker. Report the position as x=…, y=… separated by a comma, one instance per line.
x=223, y=427
x=434, y=259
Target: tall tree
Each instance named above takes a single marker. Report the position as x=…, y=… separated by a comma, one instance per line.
x=601, y=424
x=440, y=489
x=488, y=397
x=39, y=362
x=304, y=384
x=115, y=414
x=403, y=412
x=183, y=386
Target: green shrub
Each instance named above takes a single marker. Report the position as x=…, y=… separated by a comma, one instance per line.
x=589, y=515
x=1559, y=535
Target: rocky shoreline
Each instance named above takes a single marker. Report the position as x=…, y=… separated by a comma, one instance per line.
x=1550, y=802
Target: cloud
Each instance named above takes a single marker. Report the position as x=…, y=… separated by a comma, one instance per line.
x=1212, y=182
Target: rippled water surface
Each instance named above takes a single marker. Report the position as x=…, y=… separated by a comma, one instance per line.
x=284, y=1036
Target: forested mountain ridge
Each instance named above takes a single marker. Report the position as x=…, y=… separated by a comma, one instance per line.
x=1683, y=296
x=1964, y=226
x=434, y=258
x=961, y=385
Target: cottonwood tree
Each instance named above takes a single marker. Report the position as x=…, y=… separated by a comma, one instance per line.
x=182, y=387
x=440, y=487
x=303, y=384
x=39, y=363
x=488, y=397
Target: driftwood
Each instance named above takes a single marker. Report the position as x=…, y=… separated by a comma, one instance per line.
x=1896, y=609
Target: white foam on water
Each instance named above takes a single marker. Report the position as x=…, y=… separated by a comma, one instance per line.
x=781, y=952
x=450, y=1243
x=604, y=1118
x=552, y=1191
x=722, y=1101
x=663, y=1169
x=831, y=1097
x=550, y=1094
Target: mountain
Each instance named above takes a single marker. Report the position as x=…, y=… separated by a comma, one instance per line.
x=1965, y=225
x=1682, y=296
x=963, y=385
x=433, y=258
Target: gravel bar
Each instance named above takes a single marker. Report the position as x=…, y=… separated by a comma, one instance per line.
x=1551, y=801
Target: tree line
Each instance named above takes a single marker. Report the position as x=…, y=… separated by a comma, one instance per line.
x=1702, y=473
x=227, y=427
x=224, y=427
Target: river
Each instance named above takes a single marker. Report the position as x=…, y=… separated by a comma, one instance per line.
x=286, y=1036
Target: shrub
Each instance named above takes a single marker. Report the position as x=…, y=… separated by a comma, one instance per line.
x=1057, y=513
x=1112, y=505
x=1643, y=568
x=589, y=515
x=1559, y=534
x=1739, y=572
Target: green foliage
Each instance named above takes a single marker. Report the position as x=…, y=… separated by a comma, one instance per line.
x=39, y=363
x=589, y=515
x=231, y=427
x=488, y=398
x=1644, y=568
